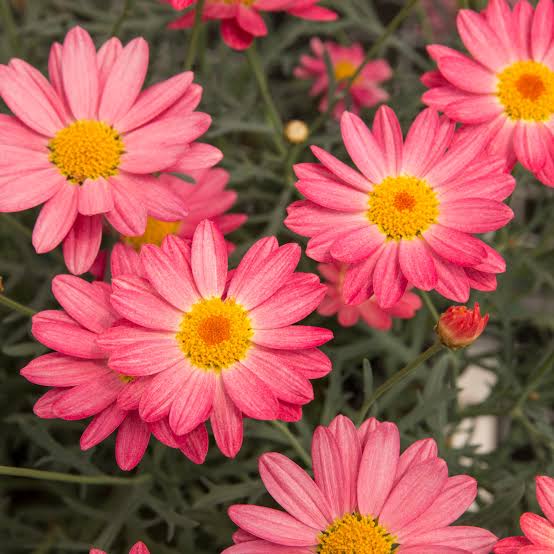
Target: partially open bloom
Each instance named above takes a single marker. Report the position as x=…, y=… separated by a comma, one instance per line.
x=84, y=386
x=408, y=214
x=211, y=344
x=206, y=198
x=364, y=92
x=538, y=531
x=82, y=143
x=506, y=89
x=460, y=326
x=369, y=311
x=241, y=21
x=138, y=548
x=366, y=497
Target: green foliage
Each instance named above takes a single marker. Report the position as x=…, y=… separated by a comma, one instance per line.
x=180, y=507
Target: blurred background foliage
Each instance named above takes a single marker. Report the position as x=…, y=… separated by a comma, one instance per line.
x=176, y=506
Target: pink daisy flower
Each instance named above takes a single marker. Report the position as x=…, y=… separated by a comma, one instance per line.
x=365, y=497
x=207, y=198
x=538, y=531
x=369, y=311
x=241, y=21
x=84, y=386
x=218, y=345
x=82, y=143
x=409, y=211
x=506, y=89
x=138, y=548
x=365, y=91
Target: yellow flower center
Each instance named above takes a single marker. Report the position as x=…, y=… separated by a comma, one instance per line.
x=344, y=70
x=86, y=149
x=403, y=207
x=215, y=334
x=355, y=534
x=155, y=233
x=526, y=90
x=245, y=2
x=125, y=378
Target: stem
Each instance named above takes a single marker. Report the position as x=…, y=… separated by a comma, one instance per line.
x=295, y=443
x=193, y=44
x=8, y=22
x=70, y=478
x=534, y=382
x=127, y=7
x=397, y=377
x=16, y=306
x=430, y=306
x=272, y=112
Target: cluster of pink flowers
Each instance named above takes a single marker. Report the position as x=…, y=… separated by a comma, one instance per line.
x=176, y=339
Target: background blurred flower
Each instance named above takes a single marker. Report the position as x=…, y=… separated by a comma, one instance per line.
x=138, y=548
x=345, y=60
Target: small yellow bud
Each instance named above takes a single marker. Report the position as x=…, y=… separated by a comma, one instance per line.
x=296, y=131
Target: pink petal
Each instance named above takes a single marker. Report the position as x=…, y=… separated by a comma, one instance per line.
x=124, y=261
x=537, y=529
x=102, y=426
x=44, y=406
x=209, y=260
x=531, y=144
x=198, y=156
x=311, y=363
x=455, y=246
x=194, y=445
x=469, y=539
x=129, y=397
x=80, y=73
x=131, y=442
x=158, y=397
x=226, y=421
x=82, y=243
x=333, y=195
x=467, y=74
x=388, y=134
x=389, y=283
x=541, y=30
x=251, y=21
x=139, y=548
x=417, y=453
x=475, y=215
x=129, y=213
x=107, y=55
x=234, y=36
x=95, y=197
x=545, y=495
x=294, y=490
x=357, y=244
x=453, y=282
x=474, y=109
x=417, y=265
x=293, y=337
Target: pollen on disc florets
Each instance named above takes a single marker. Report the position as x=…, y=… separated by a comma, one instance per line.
x=155, y=233
x=214, y=334
x=355, y=534
x=403, y=207
x=526, y=90
x=86, y=149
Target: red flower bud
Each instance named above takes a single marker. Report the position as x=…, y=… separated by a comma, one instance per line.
x=459, y=326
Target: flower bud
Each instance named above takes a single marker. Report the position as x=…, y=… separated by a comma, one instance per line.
x=460, y=326
x=296, y=131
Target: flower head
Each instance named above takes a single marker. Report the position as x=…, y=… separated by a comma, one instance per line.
x=409, y=211
x=366, y=497
x=460, y=326
x=505, y=90
x=364, y=92
x=241, y=21
x=369, y=311
x=138, y=548
x=82, y=143
x=84, y=386
x=538, y=531
x=214, y=345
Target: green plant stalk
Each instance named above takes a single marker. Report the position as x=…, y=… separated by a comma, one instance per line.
x=8, y=22
x=128, y=6
x=430, y=305
x=16, y=306
x=396, y=378
x=70, y=478
x=195, y=36
x=534, y=382
x=294, y=442
x=272, y=112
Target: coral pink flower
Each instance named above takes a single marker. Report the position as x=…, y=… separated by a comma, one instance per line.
x=241, y=21
x=207, y=198
x=506, y=90
x=82, y=143
x=365, y=91
x=84, y=386
x=408, y=214
x=460, y=326
x=365, y=497
x=538, y=531
x=369, y=311
x=214, y=344
x=138, y=548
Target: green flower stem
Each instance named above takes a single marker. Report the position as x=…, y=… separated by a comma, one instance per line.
x=534, y=382
x=10, y=28
x=70, y=478
x=195, y=36
x=396, y=378
x=127, y=7
x=16, y=306
x=272, y=112
x=295, y=443
x=430, y=305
